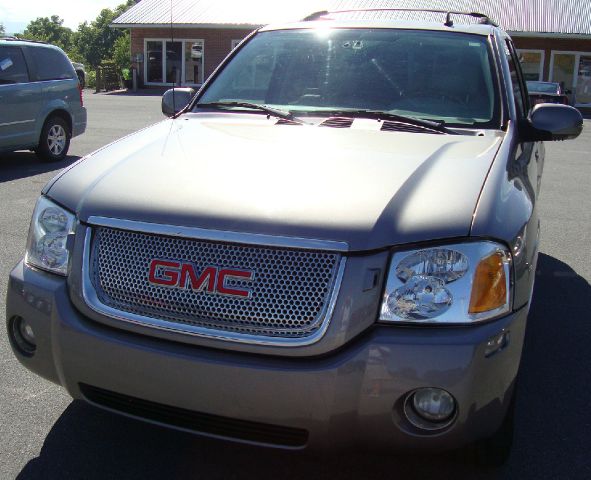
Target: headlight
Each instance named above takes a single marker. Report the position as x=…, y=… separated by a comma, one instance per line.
x=47, y=246
x=452, y=284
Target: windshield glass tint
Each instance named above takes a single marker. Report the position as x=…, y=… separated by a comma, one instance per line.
x=419, y=73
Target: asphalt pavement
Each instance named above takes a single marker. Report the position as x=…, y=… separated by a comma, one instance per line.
x=45, y=435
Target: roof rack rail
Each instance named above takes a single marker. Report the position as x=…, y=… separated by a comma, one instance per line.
x=17, y=39
x=484, y=19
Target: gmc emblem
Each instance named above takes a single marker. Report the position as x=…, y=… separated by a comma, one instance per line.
x=184, y=275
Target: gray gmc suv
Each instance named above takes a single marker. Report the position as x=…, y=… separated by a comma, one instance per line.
x=333, y=243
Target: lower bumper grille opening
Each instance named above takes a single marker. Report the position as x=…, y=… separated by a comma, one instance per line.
x=198, y=422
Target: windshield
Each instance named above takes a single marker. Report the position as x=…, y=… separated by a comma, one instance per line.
x=543, y=87
x=417, y=73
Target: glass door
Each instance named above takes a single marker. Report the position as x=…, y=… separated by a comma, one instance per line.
x=174, y=64
x=563, y=69
x=154, y=61
x=178, y=62
x=583, y=90
x=193, y=62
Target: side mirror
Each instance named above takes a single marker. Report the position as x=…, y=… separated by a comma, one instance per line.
x=551, y=122
x=174, y=100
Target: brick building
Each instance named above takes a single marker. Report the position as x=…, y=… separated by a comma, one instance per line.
x=183, y=46
x=182, y=41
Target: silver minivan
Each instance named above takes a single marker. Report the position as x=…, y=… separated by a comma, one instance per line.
x=41, y=99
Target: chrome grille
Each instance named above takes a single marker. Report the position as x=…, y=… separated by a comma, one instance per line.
x=290, y=292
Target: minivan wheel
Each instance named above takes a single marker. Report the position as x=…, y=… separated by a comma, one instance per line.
x=55, y=140
x=493, y=452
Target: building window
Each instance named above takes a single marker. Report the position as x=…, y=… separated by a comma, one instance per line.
x=532, y=64
x=178, y=62
x=573, y=71
x=583, y=91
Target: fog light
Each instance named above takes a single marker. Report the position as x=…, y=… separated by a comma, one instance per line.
x=433, y=404
x=430, y=409
x=23, y=335
x=27, y=332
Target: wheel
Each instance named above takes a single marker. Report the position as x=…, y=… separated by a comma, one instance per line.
x=55, y=140
x=493, y=452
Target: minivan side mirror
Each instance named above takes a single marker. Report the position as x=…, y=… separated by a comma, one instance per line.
x=175, y=99
x=551, y=122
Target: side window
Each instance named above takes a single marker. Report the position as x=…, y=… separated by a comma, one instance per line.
x=519, y=92
x=51, y=64
x=13, y=68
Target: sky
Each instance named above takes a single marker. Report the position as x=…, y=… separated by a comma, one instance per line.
x=16, y=14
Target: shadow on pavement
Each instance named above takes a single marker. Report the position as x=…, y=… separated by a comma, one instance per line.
x=553, y=407
x=26, y=164
x=552, y=421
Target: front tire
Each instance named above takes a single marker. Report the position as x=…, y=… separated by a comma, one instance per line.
x=55, y=140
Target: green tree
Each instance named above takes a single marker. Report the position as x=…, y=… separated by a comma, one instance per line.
x=2, y=31
x=96, y=40
x=50, y=30
x=122, y=51
x=86, y=42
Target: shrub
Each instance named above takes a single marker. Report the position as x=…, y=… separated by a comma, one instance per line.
x=91, y=79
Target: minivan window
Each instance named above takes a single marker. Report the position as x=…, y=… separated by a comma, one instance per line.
x=51, y=64
x=425, y=74
x=13, y=68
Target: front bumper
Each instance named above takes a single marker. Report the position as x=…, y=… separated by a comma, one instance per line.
x=351, y=396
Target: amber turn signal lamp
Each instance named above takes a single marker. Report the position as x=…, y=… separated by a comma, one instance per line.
x=489, y=290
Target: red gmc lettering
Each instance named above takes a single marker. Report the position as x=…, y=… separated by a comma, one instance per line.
x=185, y=275
x=167, y=277
x=206, y=279
x=238, y=292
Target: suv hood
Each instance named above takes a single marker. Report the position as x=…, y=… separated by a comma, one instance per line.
x=243, y=173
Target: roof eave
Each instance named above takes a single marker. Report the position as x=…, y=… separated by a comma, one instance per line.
x=564, y=36
x=226, y=26
x=250, y=26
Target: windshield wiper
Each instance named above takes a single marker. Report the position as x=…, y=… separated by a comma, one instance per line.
x=274, y=112
x=380, y=115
